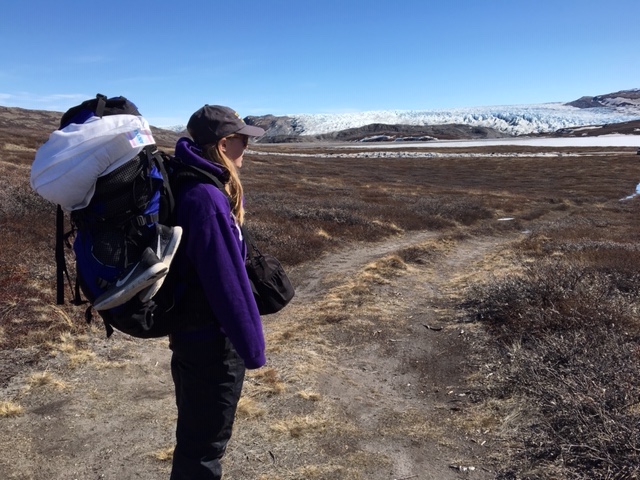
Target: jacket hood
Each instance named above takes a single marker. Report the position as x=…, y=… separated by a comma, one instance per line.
x=191, y=154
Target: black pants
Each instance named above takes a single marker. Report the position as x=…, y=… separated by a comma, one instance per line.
x=208, y=376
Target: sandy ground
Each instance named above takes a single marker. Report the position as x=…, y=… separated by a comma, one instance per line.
x=368, y=386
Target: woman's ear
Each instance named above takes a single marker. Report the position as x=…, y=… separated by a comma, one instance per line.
x=222, y=145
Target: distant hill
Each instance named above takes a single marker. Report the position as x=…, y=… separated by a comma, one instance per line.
x=33, y=127
x=623, y=98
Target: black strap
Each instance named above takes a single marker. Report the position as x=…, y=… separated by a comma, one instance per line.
x=252, y=247
x=155, y=156
x=142, y=220
x=100, y=104
x=62, y=239
x=208, y=176
x=77, y=299
x=61, y=266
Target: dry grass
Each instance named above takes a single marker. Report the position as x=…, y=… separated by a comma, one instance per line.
x=46, y=379
x=566, y=332
x=265, y=381
x=10, y=409
x=298, y=426
x=164, y=455
x=249, y=408
x=316, y=397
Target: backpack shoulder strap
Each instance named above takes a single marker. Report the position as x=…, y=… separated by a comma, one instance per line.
x=160, y=159
x=190, y=172
x=181, y=172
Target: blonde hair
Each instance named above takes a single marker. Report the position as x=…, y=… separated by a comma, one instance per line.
x=234, y=186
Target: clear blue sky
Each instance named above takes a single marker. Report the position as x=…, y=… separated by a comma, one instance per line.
x=306, y=56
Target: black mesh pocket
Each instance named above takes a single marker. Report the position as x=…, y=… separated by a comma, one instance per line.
x=126, y=189
x=120, y=195
x=109, y=248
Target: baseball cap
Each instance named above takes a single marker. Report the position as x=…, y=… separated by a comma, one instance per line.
x=212, y=122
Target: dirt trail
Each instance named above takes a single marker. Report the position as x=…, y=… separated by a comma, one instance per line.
x=314, y=279
x=383, y=401
x=411, y=371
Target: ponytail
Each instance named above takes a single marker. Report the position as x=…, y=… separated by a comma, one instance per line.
x=234, y=186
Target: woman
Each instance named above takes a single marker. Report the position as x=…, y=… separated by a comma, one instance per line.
x=221, y=332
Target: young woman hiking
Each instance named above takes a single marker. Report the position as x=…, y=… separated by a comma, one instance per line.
x=221, y=331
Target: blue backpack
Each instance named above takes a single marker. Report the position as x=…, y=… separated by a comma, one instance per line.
x=118, y=235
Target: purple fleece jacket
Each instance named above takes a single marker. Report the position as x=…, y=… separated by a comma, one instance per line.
x=212, y=243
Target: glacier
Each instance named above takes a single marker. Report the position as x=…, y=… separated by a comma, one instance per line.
x=510, y=119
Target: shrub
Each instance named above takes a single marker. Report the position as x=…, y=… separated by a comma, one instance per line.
x=569, y=335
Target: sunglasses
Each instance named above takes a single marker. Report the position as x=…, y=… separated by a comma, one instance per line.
x=243, y=138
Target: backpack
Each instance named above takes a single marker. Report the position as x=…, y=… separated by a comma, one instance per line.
x=102, y=166
x=118, y=244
